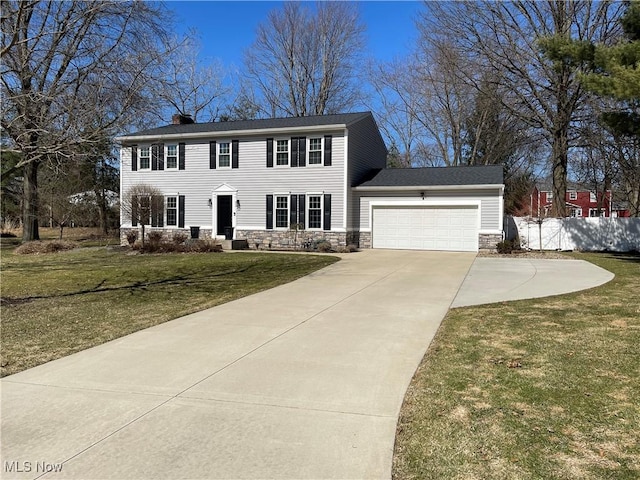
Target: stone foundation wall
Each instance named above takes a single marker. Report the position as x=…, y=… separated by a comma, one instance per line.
x=365, y=240
x=488, y=241
x=287, y=240
x=167, y=233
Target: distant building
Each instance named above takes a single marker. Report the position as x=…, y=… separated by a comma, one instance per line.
x=580, y=202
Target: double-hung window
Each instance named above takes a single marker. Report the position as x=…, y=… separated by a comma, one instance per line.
x=224, y=154
x=314, y=212
x=172, y=157
x=573, y=195
x=282, y=211
x=145, y=158
x=282, y=152
x=172, y=211
x=315, y=151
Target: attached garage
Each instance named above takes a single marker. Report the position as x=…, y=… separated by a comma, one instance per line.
x=453, y=228
x=436, y=208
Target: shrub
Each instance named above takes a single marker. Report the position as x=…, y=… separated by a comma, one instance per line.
x=348, y=249
x=508, y=246
x=323, y=246
x=154, y=238
x=132, y=236
x=179, y=238
x=36, y=247
x=204, y=246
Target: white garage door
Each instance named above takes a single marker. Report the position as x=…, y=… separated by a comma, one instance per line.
x=426, y=228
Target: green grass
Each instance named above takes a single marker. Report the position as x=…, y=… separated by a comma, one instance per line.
x=57, y=304
x=535, y=389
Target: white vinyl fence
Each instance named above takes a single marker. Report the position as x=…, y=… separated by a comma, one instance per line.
x=586, y=234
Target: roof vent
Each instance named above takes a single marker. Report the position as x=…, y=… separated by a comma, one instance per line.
x=181, y=119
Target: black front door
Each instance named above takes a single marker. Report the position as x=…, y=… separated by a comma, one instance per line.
x=224, y=216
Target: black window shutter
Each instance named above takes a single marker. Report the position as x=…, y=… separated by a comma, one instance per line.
x=302, y=147
x=293, y=211
x=327, y=150
x=181, y=156
x=134, y=158
x=161, y=156
x=153, y=206
x=181, y=211
x=212, y=154
x=301, y=211
x=294, y=151
x=234, y=153
x=327, y=211
x=154, y=156
x=270, y=153
x=269, y=212
x=134, y=210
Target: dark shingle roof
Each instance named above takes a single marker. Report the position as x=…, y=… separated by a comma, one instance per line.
x=268, y=123
x=436, y=176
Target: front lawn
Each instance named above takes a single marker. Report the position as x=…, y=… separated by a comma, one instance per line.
x=546, y=388
x=57, y=304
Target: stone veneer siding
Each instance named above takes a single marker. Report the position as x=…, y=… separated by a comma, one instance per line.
x=287, y=239
x=167, y=233
x=489, y=241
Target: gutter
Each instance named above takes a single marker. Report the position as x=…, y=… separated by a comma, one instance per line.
x=404, y=188
x=230, y=133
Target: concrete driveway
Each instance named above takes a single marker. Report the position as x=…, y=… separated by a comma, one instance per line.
x=302, y=381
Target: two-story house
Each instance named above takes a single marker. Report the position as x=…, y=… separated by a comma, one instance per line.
x=323, y=176
x=580, y=203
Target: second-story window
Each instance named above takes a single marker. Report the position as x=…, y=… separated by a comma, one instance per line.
x=315, y=151
x=282, y=152
x=145, y=158
x=172, y=156
x=224, y=154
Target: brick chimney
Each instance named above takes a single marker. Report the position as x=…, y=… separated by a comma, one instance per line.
x=180, y=119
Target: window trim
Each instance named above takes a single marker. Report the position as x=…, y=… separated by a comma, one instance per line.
x=286, y=195
x=595, y=210
x=593, y=197
x=577, y=211
x=148, y=157
x=219, y=143
x=573, y=195
x=166, y=156
x=321, y=163
x=308, y=210
x=275, y=153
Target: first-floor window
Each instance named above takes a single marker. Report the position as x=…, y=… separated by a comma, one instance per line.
x=314, y=211
x=576, y=212
x=282, y=211
x=596, y=212
x=172, y=211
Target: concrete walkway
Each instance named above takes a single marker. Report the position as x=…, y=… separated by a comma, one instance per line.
x=493, y=280
x=302, y=381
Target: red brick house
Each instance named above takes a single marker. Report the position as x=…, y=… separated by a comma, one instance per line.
x=580, y=203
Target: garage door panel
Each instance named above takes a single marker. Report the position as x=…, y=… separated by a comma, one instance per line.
x=426, y=228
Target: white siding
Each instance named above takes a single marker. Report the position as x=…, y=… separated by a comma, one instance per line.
x=252, y=180
x=490, y=204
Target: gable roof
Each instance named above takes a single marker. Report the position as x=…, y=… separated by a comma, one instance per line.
x=193, y=129
x=477, y=175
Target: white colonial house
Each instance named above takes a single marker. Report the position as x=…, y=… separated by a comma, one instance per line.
x=324, y=176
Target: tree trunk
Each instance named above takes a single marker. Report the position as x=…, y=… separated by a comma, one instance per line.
x=30, y=202
x=560, y=150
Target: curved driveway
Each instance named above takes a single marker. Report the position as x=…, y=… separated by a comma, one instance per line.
x=302, y=381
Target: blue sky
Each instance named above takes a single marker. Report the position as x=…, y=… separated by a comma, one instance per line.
x=227, y=28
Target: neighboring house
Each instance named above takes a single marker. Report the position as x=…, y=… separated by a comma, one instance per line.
x=323, y=176
x=580, y=203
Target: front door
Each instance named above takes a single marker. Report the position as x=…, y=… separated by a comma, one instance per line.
x=225, y=214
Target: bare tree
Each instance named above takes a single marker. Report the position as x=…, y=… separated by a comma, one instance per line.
x=72, y=74
x=506, y=37
x=189, y=86
x=304, y=62
x=143, y=205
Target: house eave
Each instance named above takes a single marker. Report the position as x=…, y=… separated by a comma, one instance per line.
x=401, y=188
x=230, y=133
